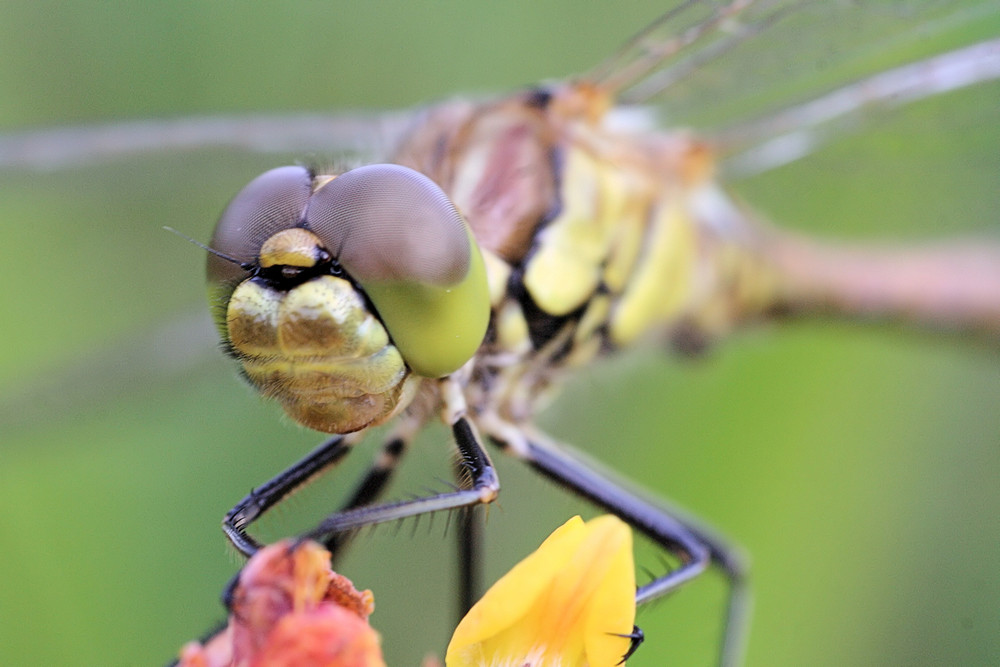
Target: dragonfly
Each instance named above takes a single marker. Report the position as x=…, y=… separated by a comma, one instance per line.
x=841, y=555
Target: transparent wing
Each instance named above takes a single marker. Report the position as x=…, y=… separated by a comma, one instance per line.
x=716, y=65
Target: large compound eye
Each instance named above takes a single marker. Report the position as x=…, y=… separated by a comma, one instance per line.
x=385, y=222
x=397, y=233
x=273, y=201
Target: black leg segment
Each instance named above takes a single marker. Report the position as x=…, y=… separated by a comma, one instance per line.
x=469, y=540
x=370, y=488
x=696, y=547
x=268, y=494
x=484, y=486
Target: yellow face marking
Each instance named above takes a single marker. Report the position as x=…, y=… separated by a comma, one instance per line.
x=319, y=351
x=290, y=247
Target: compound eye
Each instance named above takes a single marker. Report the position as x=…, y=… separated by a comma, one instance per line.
x=400, y=237
x=389, y=223
x=273, y=201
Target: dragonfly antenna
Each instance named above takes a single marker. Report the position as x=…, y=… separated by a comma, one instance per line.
x=218, y=253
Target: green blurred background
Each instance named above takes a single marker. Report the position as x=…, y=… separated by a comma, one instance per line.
x=858, y=467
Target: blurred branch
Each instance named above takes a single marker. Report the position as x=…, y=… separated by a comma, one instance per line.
x=67, y=147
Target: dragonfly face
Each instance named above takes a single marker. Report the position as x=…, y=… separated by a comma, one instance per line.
x=801, y=443
x=293, y=251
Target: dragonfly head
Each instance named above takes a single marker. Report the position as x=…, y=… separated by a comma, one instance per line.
x=333, y=292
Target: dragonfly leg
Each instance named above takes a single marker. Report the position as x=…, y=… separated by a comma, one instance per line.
x=262, y=498
x=695, y=546
x=265, y=496
x=477, y=471
x=469, y=523
x=469, y=540
x=482, y=487
x=371, y=487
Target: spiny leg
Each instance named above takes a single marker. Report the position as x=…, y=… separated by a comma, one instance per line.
x=483, y=489
x=371, y=487
x=695, y=546
x=267, y=495
x=264, y=497
x=469, y=540
x=328, y=454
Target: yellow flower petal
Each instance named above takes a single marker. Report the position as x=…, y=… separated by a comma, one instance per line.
x=562, y=605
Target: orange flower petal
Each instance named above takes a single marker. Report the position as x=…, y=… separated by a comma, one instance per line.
x=290, y=608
